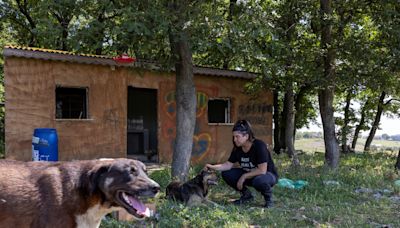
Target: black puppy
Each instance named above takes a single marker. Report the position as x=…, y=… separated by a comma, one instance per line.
x=194, y=191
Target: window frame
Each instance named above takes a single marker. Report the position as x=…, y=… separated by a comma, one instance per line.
x=86, y=88
x=227, y=114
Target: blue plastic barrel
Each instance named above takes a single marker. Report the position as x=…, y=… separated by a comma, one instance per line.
x=45, y=144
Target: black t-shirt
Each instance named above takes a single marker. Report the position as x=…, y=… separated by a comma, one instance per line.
x=257, y=154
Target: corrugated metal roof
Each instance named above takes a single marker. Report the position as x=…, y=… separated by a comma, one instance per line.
x=65, y=56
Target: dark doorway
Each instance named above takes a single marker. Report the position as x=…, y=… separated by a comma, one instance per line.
x=142, y=124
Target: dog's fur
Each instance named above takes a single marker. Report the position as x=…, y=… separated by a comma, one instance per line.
x=194, y=191
x=71, y=194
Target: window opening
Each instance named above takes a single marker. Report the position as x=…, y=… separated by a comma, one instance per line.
x=71, y=103
x=219, y=110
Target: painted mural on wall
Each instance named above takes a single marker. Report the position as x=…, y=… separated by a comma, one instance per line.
x=203, y=138
x=257, y=113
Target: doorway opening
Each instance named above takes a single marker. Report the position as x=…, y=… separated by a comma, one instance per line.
x=142, y=124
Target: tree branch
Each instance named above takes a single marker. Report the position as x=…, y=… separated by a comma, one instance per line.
x=390, y=100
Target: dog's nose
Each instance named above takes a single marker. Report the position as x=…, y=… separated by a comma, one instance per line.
x=155, y=189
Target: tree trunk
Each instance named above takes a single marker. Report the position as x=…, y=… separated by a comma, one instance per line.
x=360, y=125
x=345, y=127
x=102, y=17
x=298, y=105
x=276, y=115
x=64, y=37
x=283, y=123
x=397, y=166
x=64, y=24
x=328, y=122
x=231, y=12
x=290, y=24
x=100, y=33
x=289, y=98
x=23, y=8
x=326, y=95
x=185, y=94
x=377, y=120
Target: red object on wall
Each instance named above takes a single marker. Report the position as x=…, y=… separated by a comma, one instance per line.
x=124, y=58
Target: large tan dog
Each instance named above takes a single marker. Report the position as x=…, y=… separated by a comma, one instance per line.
x=71, y=194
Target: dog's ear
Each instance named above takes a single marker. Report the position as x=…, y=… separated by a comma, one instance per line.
x=94, y=177
x=200, y=176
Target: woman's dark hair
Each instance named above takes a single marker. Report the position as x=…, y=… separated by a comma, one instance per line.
x=244, y=127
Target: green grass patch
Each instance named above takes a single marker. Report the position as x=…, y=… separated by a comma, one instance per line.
x=317, y=145
x=318, y=204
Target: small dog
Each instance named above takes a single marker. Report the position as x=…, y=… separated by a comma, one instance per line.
x=71, y=194
x=194, y=191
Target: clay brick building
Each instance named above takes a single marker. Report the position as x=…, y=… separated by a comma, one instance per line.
x=102, y=108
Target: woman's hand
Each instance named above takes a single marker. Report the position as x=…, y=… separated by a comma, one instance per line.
x=240, y=182
x=208, y=167
x=219, y=167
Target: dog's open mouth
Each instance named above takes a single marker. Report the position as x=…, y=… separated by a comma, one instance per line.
x=212, y=182
x=133, y=205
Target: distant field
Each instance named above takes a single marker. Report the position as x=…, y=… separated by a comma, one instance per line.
x=317, y=145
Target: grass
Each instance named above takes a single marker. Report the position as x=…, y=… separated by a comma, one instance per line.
x=317, y=145
x=317, y=204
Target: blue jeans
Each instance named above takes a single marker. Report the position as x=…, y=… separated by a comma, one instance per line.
x=262, y=183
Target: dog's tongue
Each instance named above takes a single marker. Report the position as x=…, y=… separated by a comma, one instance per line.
x=139, y=206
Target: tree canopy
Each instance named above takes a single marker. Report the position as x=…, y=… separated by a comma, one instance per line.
x=326, y=54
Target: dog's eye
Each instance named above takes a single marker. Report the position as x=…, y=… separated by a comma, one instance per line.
x=133, y=170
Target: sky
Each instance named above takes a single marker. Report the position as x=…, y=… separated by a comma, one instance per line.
x=388, y=126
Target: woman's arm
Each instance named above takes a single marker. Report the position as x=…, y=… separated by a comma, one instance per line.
x=261, y=169
x=220, y=167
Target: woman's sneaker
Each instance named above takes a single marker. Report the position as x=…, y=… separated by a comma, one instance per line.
x=268, y=200
x=245, y=197
x=269, y=204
